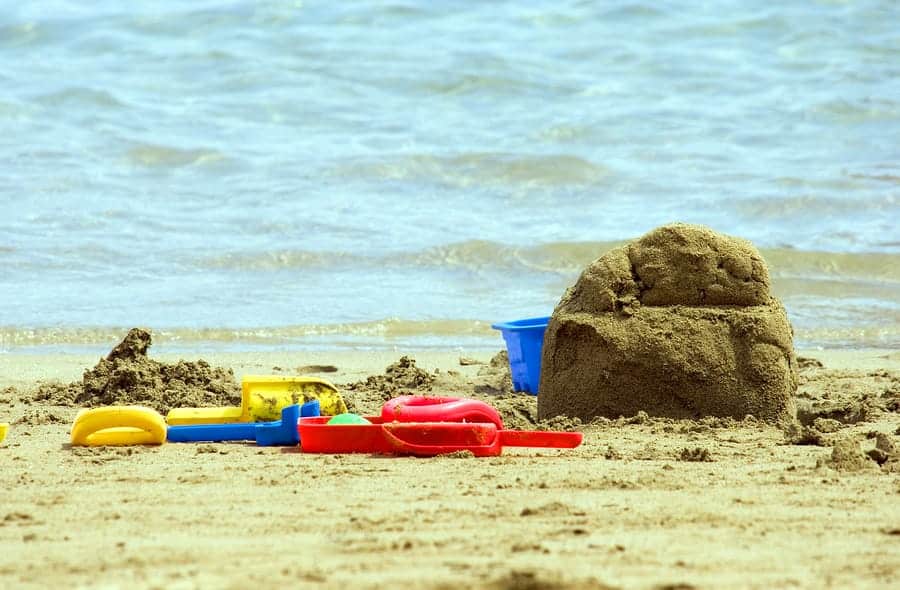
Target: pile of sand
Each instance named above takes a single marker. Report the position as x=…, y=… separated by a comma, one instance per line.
x=127, y=376
x=495, y=377
x=400, y=378
x=846, y=455
x=680, y=323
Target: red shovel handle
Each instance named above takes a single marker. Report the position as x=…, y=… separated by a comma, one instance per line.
x=535, y=438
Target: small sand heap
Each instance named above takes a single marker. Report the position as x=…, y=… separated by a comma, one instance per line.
x=495, y=378
x=400, y=378
x=128, y=376
x=679, y=323
x=403, y=377
x=846, y=455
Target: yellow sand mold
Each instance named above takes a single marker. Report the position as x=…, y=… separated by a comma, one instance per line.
x=118, y=426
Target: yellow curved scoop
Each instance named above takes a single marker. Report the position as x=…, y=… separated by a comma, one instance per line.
x=262, y=399
x=118, y=426
x=4, y=428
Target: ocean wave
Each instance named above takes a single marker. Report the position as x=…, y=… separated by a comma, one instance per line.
x=475, y=84
x=282, y=259
x=388, y=333
x=815, y=205
x=480, y=169
x=386, y=329
x=558, y=258
x=861, y=111
x=82, y=96
x=161, y=156
x=872, y=266
x=26, y=34
x=563, y=258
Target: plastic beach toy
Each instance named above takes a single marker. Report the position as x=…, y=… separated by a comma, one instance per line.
x=426, y=426
x=266, y=434
x=524, y=343
x=423, y=439
x=348, y=419
x=4, y=428
x=118, y=426
x=417, y=408
x=262, y=399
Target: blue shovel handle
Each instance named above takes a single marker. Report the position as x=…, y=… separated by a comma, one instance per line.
x=280, y=432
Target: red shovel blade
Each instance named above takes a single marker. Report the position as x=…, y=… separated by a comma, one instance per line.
x=317, y=436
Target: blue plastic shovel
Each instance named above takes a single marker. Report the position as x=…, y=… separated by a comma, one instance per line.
x=266, y=434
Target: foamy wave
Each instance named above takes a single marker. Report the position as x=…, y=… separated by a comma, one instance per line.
x=153, y=156
x=282, y=259
x=481, y=169
x=81, y=95
x=390, y=333
x=781, y=207
x=564, y=258
x=387, y=329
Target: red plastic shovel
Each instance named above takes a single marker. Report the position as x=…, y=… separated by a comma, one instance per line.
x=483, y=440
x=423, y=439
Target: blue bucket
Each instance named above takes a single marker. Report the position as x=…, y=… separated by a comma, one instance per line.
x=524, y=341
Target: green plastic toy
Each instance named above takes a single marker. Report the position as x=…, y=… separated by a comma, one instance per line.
x=348, y=418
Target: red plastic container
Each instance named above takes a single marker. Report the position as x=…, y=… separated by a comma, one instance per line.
x=423, y=439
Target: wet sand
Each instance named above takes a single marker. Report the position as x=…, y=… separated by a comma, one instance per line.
x=644, y=503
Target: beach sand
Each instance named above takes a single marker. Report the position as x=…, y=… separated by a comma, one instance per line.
x=643, y=503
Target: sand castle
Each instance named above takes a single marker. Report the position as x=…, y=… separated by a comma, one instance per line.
x=679, y=323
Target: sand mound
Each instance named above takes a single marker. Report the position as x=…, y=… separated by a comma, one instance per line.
x=400, y=378
x=885, y=453
x=403, y=377
x=495, y=378
x=846, y=455
x=128, y=376
x=679, y=323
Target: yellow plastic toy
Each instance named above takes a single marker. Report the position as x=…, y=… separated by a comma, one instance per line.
x=4, y=428
x=262, y=399
x=118, y=426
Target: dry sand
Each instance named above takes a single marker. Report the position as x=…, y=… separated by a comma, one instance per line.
x=644, y=503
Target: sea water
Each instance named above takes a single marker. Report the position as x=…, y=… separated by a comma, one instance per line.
x=401, y=174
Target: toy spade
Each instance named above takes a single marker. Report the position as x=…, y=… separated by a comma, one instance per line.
x=262, y=399
x=278, y=433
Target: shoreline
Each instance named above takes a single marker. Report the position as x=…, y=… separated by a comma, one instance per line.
x=19, y=369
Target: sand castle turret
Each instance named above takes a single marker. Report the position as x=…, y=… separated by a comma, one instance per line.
x=679, y=323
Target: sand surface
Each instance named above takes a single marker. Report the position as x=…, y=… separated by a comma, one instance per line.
x=644, y=503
